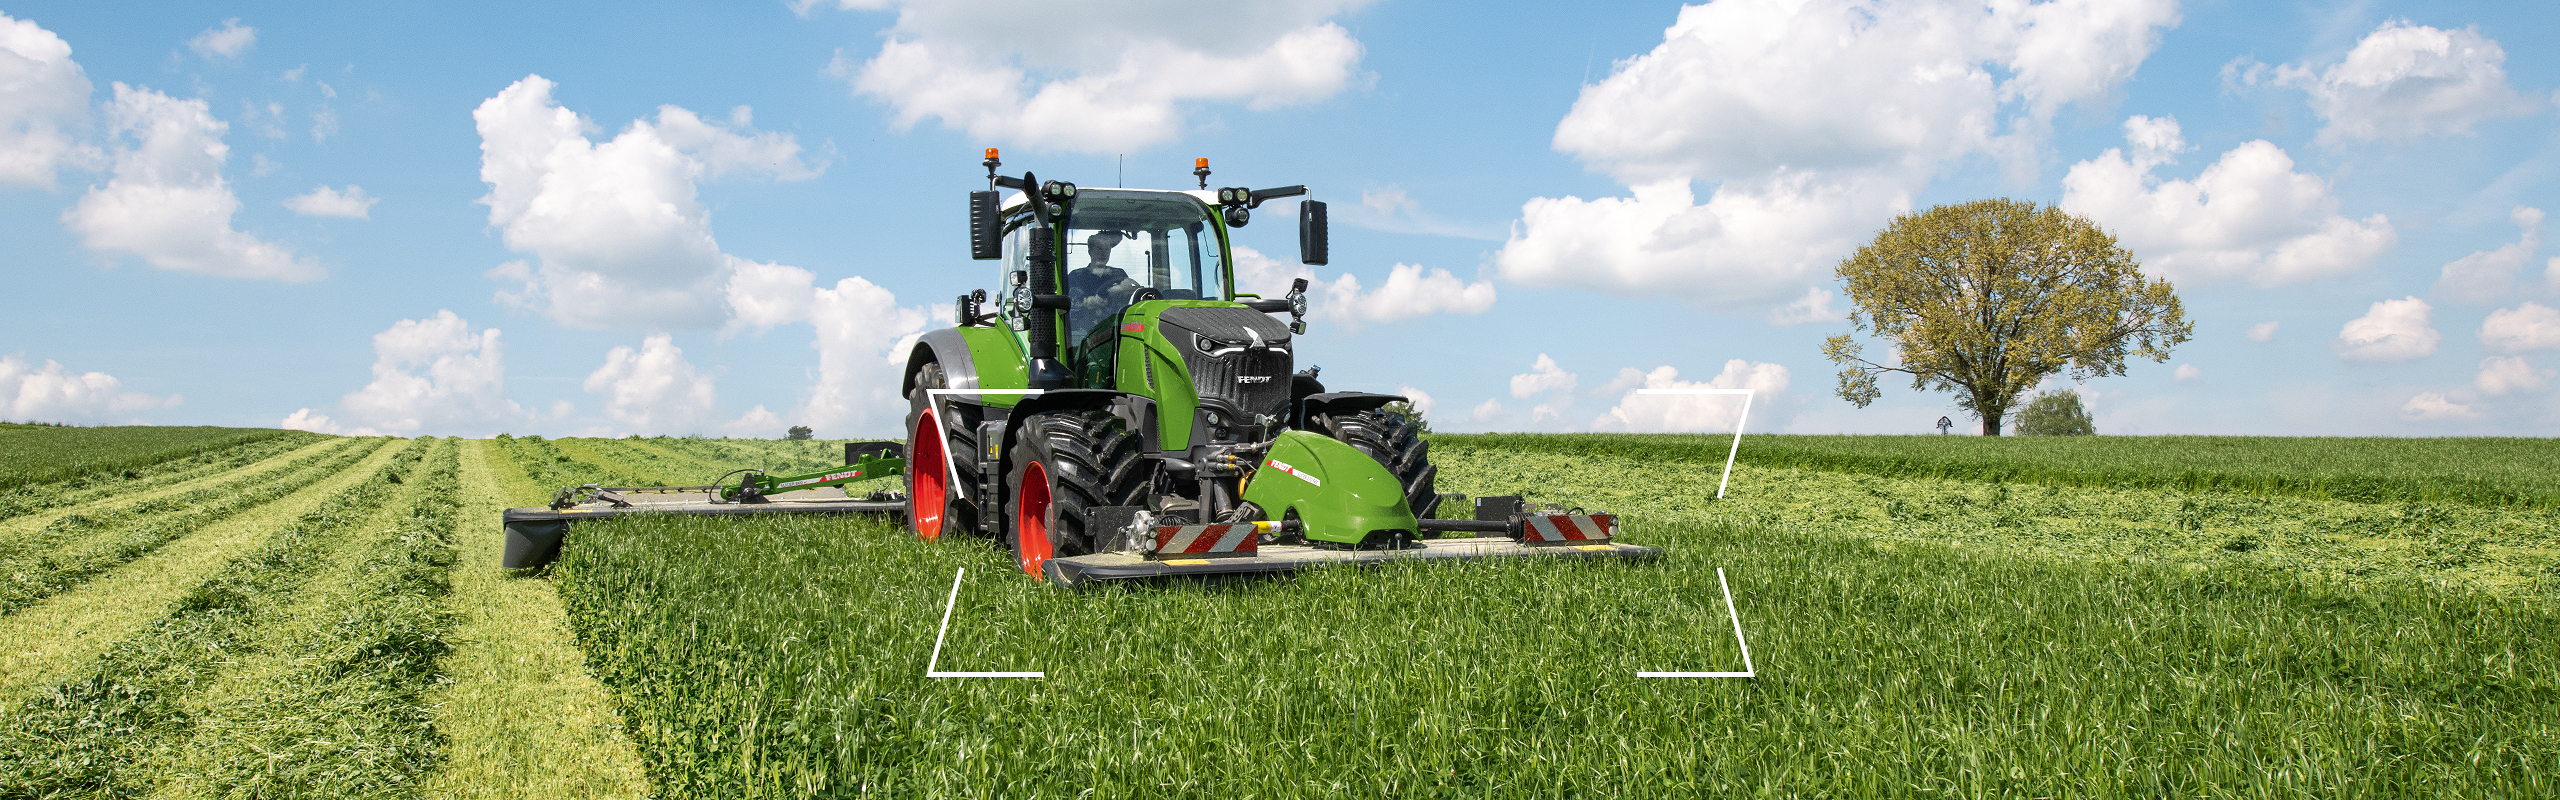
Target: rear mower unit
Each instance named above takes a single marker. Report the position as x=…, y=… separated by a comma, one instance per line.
x=1118, y=409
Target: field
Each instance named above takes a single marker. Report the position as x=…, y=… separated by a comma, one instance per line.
x=2118, y=617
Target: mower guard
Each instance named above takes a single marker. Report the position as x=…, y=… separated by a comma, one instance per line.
x=1078, y=571
x=534, y=534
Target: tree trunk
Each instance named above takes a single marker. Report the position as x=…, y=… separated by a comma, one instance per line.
x=1991, y=424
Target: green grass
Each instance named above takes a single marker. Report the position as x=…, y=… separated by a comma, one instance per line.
x=106, y=486
x=775, y=658
x=31, y=454
x=2483, y=471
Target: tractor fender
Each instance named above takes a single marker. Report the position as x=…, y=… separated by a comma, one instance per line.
x=1340, y=403
x=944, y=345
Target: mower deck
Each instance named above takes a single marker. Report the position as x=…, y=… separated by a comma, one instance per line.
x=533, y=534
x=1077, y=571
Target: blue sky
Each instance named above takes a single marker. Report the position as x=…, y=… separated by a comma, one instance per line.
x=730, y=218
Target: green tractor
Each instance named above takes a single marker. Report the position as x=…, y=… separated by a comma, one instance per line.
x=1119, y=408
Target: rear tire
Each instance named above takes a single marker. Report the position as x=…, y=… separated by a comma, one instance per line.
x=935, y=504
x=1396, y=444
x=1065, y=462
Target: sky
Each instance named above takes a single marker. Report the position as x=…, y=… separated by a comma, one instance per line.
x=731, y=218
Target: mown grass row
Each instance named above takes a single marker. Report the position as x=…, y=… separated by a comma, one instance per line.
x=786, y=658
x=112, y=730
x=101, y=485
x=337, y=708
x=80, y=546
x=42, y=454
x=547, y=465
x=2482, y=471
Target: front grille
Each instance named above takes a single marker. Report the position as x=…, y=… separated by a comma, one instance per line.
x=1217, y=377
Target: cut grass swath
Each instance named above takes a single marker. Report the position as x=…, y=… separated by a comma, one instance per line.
x=41, y=454
x=79, y=547
x=94, y=486
x=332, y=701
x=111, y=730
x=785, y=657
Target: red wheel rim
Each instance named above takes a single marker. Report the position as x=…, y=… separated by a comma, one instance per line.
x=928, y=478
x=1031, y=518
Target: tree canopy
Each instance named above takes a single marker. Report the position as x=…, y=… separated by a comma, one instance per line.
x=1988, y=298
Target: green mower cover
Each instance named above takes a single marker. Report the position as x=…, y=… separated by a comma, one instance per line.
x=1340, y=493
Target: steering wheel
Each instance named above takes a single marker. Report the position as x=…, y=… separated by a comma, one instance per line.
x=1143, y=294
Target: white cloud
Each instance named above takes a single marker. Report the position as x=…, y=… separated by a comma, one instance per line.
x=324, y=124
x=2531, y=326
x=1543, y=377
x=49, y=393
x=1816, y=121
x=430, y=376
x=168, y=203
x=44, y=103
x=2435, y=406
x=2404, y=81
x=322, y=201
x=652, y=390
x=2263, y=332
x=1098, y=77
x=2393, y=330
x=2249, y=215
x=1696, y=413
x=2500, y=375
x=1410, y=291
x=1420, y=399
x=619, y=234
x=2189, y=372
x=2487, y=276
x=862, y=339
x=1814, y=306
x=227, y=41
x=1388, y=208
x=1486, y=412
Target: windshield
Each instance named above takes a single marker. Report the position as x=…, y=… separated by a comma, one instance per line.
x=1120, y=243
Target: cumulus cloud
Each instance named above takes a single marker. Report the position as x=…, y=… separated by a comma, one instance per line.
x=2531, y=326
x=1816, y=122
x=227, y=40
x=1098, y=77
x=2432, y=406
x=1814, y=306
x=1546, y=379
x=862, y=339
x=322, y=201
x=2500, y=375
x=1420, y=399
x=29, y=393
x=1640, y=412
x=618, y=234
x=44, y=104
x=430, y=376
x=167, y=202
x=1486, y=412
x=2487, y=276
x=2189, y=372
x=1410, y=291
x=652, y=390
x=2263, y=332
x=2248, y=216
x=2404, y=81
x=2393, y=330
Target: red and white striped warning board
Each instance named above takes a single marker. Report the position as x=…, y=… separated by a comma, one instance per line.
x=1208, y=540
x=1547, y=528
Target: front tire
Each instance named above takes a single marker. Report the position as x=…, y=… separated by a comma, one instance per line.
x=934, y=501
x=1065, y=462
x=1394, y=443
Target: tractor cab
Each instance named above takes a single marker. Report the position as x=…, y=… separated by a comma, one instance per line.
x=1120, y=247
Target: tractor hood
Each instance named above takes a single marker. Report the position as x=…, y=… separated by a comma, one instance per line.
x=1223, y=327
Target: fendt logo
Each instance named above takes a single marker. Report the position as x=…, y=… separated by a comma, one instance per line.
x=1253, y=379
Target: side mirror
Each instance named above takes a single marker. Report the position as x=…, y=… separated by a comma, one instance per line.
x=986, y=226
x=1311, y=236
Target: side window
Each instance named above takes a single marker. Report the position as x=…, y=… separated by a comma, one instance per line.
x=1013, y=262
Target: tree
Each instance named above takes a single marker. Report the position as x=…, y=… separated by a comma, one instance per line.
x=1987, y=298
x=1411, y=416
x=799, y=433
x=2056, y=413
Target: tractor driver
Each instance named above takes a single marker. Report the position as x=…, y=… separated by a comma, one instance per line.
x=1097, y=290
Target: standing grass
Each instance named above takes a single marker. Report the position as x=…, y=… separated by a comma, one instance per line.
x=111, y=729
x=2480, y=471
x=31, y=454
x=521, y=715
x=786, y=657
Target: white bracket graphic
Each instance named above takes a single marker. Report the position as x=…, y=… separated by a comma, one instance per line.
x=950, y=469
x=1737, y=426
x=1748, y=671
x=936, y=660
